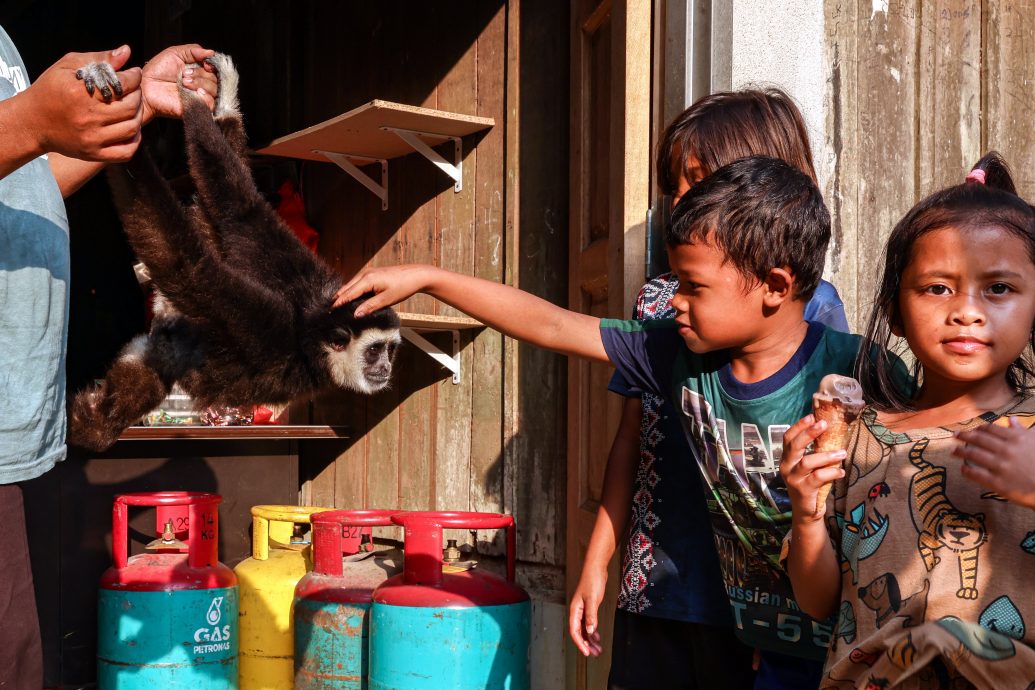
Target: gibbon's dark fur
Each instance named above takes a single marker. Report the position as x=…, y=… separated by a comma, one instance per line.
x=243, y=315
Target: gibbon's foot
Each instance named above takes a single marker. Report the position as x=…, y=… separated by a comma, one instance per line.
x=226, y=100
x=130, y=390
x=87, y=424
x=100, y=75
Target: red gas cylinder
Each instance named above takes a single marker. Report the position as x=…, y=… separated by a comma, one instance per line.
x=440, y=625
x=168, y=619
x=332, y=602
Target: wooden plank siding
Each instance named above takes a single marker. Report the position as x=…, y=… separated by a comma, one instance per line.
x=917, y=92
x=610, y=168
x=1008, y=74
x=496, y=441
x=490, y=260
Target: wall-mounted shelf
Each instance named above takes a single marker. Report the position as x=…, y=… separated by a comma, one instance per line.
x=255, y=431
x=377, y=132
x=412, y=324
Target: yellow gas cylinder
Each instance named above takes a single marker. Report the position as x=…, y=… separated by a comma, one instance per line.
x=280, y=557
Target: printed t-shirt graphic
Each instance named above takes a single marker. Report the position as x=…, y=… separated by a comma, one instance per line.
x=936, y=570
x=737, y=430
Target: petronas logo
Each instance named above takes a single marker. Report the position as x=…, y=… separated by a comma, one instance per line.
x=214, y=611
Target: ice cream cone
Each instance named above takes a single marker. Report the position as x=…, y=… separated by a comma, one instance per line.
x=839, y=403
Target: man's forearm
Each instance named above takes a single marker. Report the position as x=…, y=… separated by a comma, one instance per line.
x=20, y=145
x=18, y=142
x=72, y=173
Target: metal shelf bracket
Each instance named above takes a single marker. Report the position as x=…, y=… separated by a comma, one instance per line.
x=344, y=161
x=451, y=362
x=455, y=170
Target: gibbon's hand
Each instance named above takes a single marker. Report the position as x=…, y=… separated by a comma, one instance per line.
x=66, y=119
x=805, y=474
x=390, y=285
x=1001, y=459
x=161, y=80
x=582, y=612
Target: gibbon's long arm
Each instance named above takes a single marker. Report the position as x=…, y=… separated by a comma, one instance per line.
x=157, y=225
x=249, y=231
x=181, y=259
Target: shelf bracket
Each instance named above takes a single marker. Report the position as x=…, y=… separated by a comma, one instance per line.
x=344, y=161
x=455, y=170
x=451, y=362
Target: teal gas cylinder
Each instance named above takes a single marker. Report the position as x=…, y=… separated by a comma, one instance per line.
x=168, y=618
x=332, y=602
x=432, y=628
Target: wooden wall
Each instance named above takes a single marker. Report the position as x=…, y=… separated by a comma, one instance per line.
x=427, y=443
x=917, y=93
x=495, y=441
x=610, y=193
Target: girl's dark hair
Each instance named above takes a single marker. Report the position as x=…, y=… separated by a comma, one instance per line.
x=987, y=198
x=722, y=127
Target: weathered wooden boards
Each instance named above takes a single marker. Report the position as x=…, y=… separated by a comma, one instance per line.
x=918, y=91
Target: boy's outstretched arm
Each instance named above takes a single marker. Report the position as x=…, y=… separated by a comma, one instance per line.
x=811, y=563
x=509, y=310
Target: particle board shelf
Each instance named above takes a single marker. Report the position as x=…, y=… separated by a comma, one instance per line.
x=412, y=324
x=257, y=431
x=377, y=132
x=432, y=322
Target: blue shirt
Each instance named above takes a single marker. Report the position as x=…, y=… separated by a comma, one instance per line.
x=826, y=307
x=670, y=568
x=34, y=276
x=736, y=432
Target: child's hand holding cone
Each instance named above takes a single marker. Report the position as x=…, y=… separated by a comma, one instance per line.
x=838, y=402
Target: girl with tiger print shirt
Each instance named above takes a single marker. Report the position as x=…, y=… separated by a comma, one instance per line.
x=926, y=548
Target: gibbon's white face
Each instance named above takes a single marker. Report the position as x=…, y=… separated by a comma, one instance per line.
x=365, y=363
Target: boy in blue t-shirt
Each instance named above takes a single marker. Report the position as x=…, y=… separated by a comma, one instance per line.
x=673, y=625
x=738, y=361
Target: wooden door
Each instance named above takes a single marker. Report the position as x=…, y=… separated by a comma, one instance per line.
x=610, y=172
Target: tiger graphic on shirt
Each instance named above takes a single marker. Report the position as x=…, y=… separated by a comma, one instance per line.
x=941, y=525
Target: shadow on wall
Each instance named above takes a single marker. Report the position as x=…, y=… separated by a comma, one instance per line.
x=538, y=449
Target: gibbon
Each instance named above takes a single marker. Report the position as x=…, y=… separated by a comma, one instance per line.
x=243, y=311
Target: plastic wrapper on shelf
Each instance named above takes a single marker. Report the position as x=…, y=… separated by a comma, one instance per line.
x=162, y=417
x=179, y=409
x=227, y=415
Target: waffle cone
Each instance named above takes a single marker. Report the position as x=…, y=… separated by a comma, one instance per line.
x=839, y=418
x=839, y=421
x=821, y=498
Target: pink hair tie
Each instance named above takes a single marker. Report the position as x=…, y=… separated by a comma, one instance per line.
x=976, y=175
